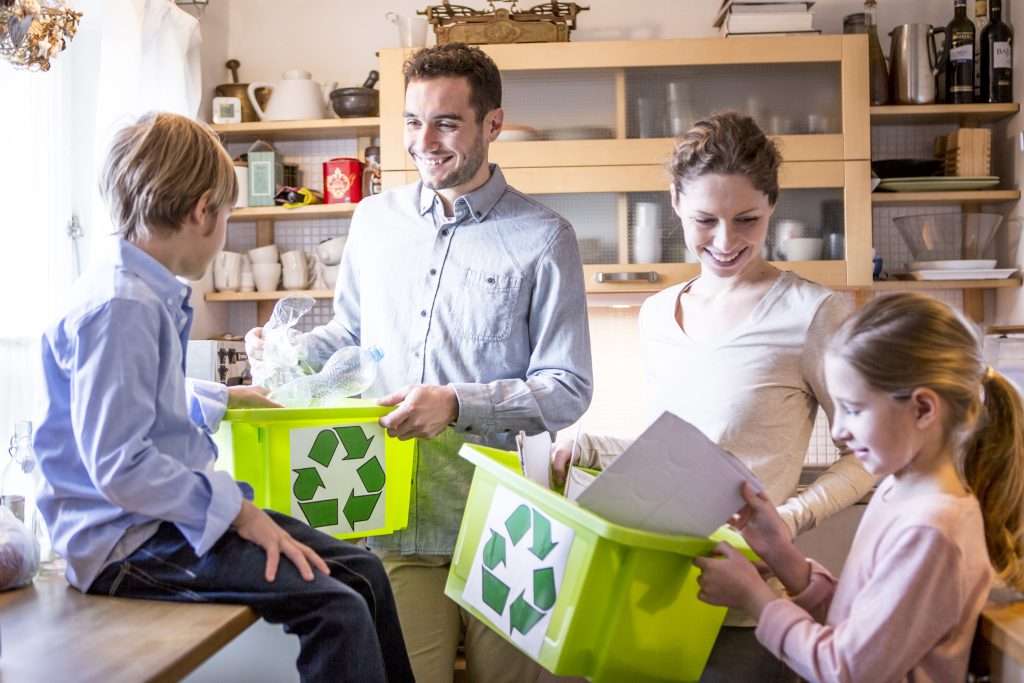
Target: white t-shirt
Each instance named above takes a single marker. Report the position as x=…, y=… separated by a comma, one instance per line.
x=755, y=391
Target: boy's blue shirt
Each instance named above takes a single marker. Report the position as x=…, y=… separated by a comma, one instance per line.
x=124, y=440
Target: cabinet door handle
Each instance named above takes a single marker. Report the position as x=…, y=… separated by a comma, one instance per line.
x=643, y=276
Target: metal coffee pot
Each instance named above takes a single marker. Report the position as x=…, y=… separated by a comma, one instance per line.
x=913, y=63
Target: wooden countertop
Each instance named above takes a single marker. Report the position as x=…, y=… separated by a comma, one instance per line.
x=51, y=632
x=1002, y=624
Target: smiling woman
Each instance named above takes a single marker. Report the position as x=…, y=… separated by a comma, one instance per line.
x=738, y=350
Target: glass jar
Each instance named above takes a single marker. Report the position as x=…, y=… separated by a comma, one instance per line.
x=20, y=483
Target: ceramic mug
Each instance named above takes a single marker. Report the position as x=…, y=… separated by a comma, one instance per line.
x=329, y=251
x=227, y=271
x=266, y=276
x=647, y=232
x=801, y=248
x=267, y=254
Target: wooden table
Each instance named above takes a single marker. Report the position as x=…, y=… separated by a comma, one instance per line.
x=51, y=632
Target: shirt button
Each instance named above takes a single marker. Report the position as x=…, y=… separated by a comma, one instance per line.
x=423, y=314
x=433, y=271
x=416, y=354
x=444, y=233
x=469, y=428
x=490, y=280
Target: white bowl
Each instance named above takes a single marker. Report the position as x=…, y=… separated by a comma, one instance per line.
x=329, y=251
x=267, y=254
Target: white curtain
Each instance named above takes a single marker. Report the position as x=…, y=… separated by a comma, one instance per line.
x=36, y=264
x=129, y=57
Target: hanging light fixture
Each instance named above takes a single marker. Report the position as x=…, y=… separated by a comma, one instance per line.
x=32, y=32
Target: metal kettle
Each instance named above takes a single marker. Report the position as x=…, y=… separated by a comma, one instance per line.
x=913, y=63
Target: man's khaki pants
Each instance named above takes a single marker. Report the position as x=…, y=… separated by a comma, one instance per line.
x=433, y=626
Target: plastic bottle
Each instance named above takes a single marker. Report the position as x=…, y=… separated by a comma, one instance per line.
x=20, y=484
x=349, y=372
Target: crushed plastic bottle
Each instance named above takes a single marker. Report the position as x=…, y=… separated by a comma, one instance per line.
x=349, y=372
x=20, y=485
x=283, y=359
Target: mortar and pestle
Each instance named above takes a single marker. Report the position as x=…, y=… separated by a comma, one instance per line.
x=236, y=89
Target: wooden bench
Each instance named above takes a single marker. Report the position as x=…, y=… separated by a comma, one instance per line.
x=51, y=632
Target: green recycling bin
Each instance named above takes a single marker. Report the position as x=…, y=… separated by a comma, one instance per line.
x=581, y=596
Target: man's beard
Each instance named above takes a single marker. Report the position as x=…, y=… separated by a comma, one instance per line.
x=464, y=173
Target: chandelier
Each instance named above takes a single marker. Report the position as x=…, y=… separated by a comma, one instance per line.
x=32, y=32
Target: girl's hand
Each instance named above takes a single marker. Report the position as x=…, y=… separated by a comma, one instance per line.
x=760, y=523
x=250, y=397
x=727, y=578
x=561, y=458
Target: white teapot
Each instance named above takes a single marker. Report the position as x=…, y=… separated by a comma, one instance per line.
x=296, y=97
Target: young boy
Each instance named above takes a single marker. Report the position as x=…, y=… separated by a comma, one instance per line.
x=131, y=499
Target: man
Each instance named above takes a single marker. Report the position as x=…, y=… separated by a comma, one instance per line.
x=475, y=293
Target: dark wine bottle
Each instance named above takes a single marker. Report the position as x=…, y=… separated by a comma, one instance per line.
x=996, y=57
x=960, y=56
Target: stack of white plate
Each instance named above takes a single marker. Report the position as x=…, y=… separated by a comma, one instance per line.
x=959, y=269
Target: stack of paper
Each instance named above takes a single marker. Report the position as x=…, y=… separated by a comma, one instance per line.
x=671, y=480
x=764, y=17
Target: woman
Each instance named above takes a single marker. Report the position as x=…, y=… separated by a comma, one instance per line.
x=738, y=350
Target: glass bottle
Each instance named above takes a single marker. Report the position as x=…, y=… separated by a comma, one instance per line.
x=996, y=57
x=864, y=22
x=980, y=22
x=20, y=484
x=960, y=56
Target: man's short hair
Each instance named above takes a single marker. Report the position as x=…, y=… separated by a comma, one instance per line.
x=158, y=168
x=456, y=60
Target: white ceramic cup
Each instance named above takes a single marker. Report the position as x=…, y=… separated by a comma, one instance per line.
x=248, y=283
x=802, y=248
x=227, y=271
x=330, y=274
x=647, y=232
x=246, y=264
x=786, y=229
x=266, y=276
x=329, y=251
x=267, y=254
x=293, y=277
x=294, y=260
x=412, y=30
x=242, y=175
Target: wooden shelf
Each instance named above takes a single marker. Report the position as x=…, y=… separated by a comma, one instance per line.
x=926, y=285
x=279, y=213
x=269, y=296
x=934, y=113
x=317, y=129
x=981, y=196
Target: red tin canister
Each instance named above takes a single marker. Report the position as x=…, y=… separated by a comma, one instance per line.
x=343, y=180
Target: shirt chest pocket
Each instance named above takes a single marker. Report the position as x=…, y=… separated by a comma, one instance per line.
x=486, y=307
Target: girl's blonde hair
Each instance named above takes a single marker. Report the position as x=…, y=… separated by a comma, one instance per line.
x=904, y=341
x=727, y=143
x=158, y=168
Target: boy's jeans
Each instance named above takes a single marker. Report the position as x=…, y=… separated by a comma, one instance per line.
x=347, y=622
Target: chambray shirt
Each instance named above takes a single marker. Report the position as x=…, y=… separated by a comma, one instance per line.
x=490, y=301
x=124, y=442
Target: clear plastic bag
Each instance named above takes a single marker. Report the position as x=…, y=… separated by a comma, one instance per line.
x=19, y=552
x=284, y=357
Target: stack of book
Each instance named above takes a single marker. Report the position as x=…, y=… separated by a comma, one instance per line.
x=764, y=17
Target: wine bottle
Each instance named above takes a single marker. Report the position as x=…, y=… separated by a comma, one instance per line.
x=996, y=57
x=960, y=56
x=980, y=22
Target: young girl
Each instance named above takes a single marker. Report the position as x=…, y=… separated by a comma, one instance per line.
x=917, y=405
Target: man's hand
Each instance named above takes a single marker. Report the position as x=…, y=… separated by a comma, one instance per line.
x=254, y=343
x=727, y=578
x=423, y=412
x=561, y=458
x=250, y=397
x=256, y=526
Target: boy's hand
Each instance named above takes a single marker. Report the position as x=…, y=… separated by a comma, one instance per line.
x=256, y=526
x=561, y=458
x=727, y=578
x=424, y=411
x=250, y=397
x=760, y=523
x=254, y=343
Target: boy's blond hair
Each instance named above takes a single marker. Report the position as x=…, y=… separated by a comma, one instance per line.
x=158, y=168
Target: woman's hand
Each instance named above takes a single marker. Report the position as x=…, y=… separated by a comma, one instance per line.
x=561, y=458
x=256, y=526
x=727, y=578
x=254, y=343
x=250, y=397
x=760, y=523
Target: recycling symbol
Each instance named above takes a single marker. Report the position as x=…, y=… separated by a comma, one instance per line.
x=359, y=507
x=524, y=612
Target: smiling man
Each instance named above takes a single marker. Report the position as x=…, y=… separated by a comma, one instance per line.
x=475, y=293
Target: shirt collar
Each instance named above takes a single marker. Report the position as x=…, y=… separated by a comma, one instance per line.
x=167, y=286
x=479, y=202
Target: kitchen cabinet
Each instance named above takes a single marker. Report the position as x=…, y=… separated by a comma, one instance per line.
x=267, y=218
x=603, y=116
